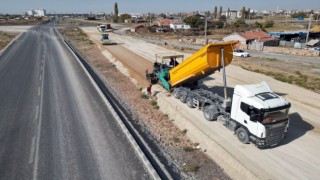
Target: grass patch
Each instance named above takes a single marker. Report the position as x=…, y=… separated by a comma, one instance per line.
x=184, y=131
x=143, y=96
x=175, y=139
x=297, y=78
x=272, y=59
x=190, y=168
x=154, y=104
x=188, y=149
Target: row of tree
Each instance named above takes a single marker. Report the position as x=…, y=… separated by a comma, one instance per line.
x=216, y=15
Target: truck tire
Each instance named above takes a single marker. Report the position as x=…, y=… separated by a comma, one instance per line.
x=210, y=113
x=183, y=97
x=190, y=102
x=176, y=93
x=242, y=135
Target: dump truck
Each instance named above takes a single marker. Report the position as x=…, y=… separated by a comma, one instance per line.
x=254, y=113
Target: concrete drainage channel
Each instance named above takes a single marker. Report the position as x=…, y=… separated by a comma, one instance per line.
x=156, y=169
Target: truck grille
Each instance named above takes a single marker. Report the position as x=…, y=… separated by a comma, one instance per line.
x=275, y=134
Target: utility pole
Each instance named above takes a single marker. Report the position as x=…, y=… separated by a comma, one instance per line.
x=205, y=30
x=308, y=28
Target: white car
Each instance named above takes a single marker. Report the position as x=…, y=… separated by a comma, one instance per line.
x=240, y=53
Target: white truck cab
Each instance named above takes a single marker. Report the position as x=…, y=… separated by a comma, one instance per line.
x=101, y=28
x=262, y=115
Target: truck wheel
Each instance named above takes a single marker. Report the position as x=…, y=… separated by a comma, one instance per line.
x=183, y=97
x=190, y=102
x=211, y=113
x=242, y=135
x=176, y=93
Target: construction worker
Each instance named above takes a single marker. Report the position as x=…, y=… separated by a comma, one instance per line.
x=149, y=90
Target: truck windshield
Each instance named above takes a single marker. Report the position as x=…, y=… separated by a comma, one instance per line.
x=275, y=116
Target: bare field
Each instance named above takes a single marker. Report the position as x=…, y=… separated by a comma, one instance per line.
x=306, y=75
x=6, y=38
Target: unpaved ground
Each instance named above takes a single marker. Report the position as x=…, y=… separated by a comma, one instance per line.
x=177, y=147
x=5, y=39
x=14, y=29
x=297, y=158
x=8, y=33
x=302, y=74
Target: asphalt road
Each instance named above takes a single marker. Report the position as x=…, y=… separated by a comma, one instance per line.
x=53, y=123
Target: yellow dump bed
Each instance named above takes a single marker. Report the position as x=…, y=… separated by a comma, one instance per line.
x=201, y=64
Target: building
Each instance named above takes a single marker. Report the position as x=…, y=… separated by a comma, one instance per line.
x=179, y=25
x=37, y=12
x=139, y=29
x=232, y=14
x=252, y=36
x=313, y=43
x=165, y=22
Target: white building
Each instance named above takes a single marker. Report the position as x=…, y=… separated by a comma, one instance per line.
x=37, y=12
x=176, y=26
x=232, y=14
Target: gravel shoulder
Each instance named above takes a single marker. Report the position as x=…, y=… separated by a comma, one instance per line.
x=295, y=159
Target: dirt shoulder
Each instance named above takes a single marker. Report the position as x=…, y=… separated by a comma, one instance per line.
x=6, y=38
x=180, y=152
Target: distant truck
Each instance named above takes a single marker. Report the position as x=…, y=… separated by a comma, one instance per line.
x=255, y=113
x=101, y=28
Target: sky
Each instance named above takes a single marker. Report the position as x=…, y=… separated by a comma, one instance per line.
x=144, y=6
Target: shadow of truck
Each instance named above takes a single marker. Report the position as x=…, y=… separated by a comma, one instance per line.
x=297, y=128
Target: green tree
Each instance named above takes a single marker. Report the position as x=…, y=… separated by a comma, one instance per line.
x=194, y=21
x=228, y=13
x=268, y=23
x=299, y=14
x=163, y=15
x=223, y=18
x=257, y=25
x=248, y=14
x=215, y=12
x=115, y=19
x=239, y=23
x=243, y=13
x=123, y=17
x=220, y=11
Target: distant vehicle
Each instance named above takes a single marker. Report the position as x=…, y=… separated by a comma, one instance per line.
x=101, y=28
x=240, y=53
x=105, y=39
